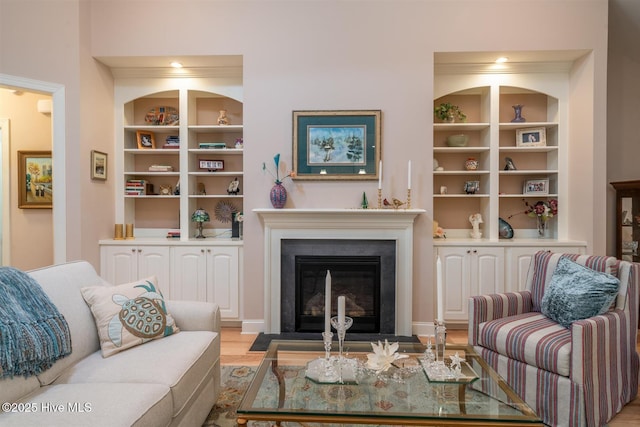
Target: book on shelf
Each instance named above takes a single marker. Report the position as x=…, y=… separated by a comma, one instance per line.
x=135, y=187
x=160, y=168
x=212, y=145
x=172, y=141
x=173, y=234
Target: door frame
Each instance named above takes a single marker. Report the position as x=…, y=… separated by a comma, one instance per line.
x=57, y=93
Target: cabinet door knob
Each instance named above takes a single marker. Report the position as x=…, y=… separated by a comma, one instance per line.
x=209, y=250
x=475, y=251
x=133, y=250
x=468, y=251
x=202, y=250
x=139, y=250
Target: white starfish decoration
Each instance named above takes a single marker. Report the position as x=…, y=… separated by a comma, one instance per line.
x=383, y=356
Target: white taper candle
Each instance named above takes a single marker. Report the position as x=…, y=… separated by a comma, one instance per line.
x=327, y=302
x=341, y=309
x=439, y=290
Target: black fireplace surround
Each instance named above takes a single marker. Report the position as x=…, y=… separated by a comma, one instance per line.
x=364, y=271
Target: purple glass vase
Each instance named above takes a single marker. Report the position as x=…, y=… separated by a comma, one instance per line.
x=278, y=195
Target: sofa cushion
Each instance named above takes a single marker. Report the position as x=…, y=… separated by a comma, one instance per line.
x=96, y=405
x=181, y=362
x=576, y=292
x=62, y=284
x=129, y=314
x=532, y=338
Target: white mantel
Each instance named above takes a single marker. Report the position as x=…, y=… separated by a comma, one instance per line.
x=360, y=224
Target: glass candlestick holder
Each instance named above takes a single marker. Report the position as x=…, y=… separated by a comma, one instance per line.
x=440, y=340
x=341, y=328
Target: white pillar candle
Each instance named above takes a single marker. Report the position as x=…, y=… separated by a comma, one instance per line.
x=327, y=302
x=341, y=309
x=439, y=290
x=380, y=175
x=409, y=176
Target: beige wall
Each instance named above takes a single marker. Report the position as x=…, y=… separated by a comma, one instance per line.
x=297, y=55
x=31, y=229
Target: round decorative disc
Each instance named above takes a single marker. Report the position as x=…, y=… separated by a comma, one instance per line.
x=224, y=211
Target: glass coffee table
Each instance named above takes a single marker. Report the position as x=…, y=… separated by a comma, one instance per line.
x=284, y=390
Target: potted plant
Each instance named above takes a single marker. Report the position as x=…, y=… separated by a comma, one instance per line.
x=448, y=112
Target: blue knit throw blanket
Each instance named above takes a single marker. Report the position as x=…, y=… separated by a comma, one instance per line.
x=33, y=333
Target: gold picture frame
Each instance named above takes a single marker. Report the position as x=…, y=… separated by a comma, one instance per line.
x=35, y=180
x=146, y=140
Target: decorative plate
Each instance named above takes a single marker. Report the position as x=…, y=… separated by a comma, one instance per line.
x=162, y=116
x=504, y=229
x=225, y=210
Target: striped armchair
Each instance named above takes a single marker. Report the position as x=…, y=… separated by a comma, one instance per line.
x=571, y=377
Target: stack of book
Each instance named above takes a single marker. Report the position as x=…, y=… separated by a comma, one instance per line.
x=160, y=168
x=136, y=187
x=173, y=234
x=172, y=141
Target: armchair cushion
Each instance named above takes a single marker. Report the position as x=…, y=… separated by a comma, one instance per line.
x=576, y=292
x=531, y=338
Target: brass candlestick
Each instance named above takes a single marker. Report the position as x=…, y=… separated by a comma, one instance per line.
x=409, y=198
x=379, y=198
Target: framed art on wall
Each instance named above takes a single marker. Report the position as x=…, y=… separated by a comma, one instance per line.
x=98, y=165
x=35, y=180
x=336, y=145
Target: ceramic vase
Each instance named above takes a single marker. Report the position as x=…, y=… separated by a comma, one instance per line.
x=471, y=164
x=278, y=195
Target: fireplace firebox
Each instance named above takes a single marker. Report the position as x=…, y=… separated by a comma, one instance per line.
x=361, y=270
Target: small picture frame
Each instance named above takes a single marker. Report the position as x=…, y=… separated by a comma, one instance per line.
x=98, y=165
x=471, y=187
x=211, y=165
x=531, y=137
x=536, y=187
x=146, y=140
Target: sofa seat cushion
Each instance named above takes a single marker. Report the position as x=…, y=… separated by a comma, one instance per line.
x=96, y=405
x=182, y=362
x=531, y=338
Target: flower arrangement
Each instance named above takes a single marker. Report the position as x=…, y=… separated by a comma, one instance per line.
x=543, y=210
x=276, y=160
x=383, y=356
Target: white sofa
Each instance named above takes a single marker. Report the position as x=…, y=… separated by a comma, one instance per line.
x=173, y=381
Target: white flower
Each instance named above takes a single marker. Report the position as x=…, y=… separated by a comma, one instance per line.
x=239, y=217
x=383, y=356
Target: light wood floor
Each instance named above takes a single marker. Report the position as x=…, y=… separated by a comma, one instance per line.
x=235, y=351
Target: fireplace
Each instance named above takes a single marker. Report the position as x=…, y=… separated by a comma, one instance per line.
x=361, y=270
x=395, y=225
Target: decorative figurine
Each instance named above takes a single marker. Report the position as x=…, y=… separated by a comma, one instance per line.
x=509, y=165
x=365, y=203
x=222, y=118
x=475, y=220
x=518, y=112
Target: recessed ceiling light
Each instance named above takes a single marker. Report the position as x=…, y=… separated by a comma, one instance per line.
x=501, y=60
x=176, y=64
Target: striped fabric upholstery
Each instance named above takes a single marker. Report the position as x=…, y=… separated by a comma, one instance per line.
x=571, y=377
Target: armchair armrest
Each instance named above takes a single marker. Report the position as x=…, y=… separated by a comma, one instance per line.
x=604, y=355
x=195, y=315
x=483, y=308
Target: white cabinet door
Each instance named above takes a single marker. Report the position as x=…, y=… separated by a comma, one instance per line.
x=207, y=273
x=467, y=272
x=189, y=273
x=128, y=263
x=154, y=261
x=118, y=264
x=222, y=279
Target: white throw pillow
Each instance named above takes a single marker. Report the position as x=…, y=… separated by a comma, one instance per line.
x=129, y=315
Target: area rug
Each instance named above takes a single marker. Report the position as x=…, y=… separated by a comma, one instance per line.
x=234, y=381
x=263, y=340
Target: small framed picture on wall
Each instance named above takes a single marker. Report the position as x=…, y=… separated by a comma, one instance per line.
x=98, y=165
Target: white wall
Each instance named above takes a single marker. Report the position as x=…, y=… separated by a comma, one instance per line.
x=304, y=55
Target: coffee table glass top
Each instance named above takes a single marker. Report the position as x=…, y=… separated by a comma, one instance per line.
x=282, y=390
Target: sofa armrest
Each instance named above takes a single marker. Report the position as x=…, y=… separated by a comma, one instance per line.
x=483, y=308
x=604, y=355
x=195, y=315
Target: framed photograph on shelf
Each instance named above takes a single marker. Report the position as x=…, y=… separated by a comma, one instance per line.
x=536, y=187
x=531, y=137
x=211, y=165
x=336, y=145
x=98, y=165
x=35, y=180
x=146, y=139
